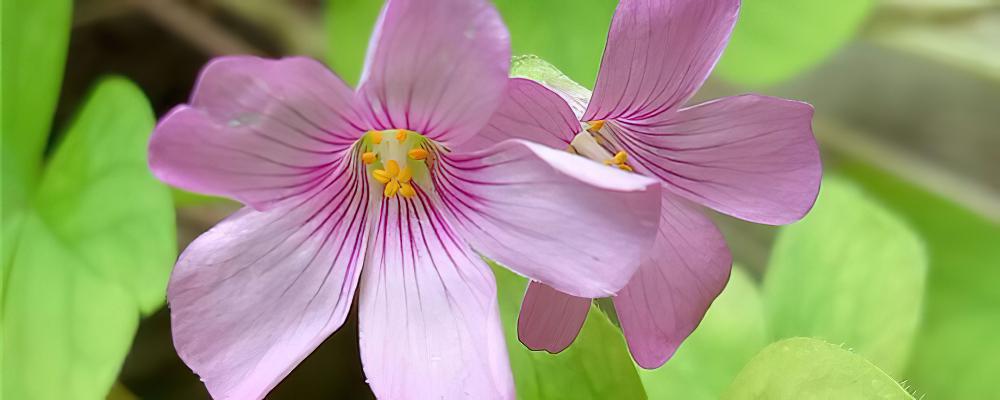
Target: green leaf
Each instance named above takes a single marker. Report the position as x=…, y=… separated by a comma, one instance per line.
x=570, y=33
x=706, y=363
x=958, y=355
x=851, y=272
x=596, y=366
x=95, y=252
x=804, y=368
x=35, y=36
x=777, y=39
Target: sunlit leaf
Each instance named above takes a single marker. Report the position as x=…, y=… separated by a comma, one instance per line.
x=35, y=35
x=729, y=336
x=777, y=39
x=851, y=272
x=804, y=368
x=569, y=33
x=596, y=366
x=957, y=355
x=95, y=253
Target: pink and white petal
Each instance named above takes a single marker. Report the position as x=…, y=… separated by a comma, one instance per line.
x=438, y=67
x=554, y=217
x=549, y=319
x=428, y=314
x=753, y=157
x=257, y=130
x=686, y=270
x=253, y=296
x=531, y=112
x=192, y=151
x=658, y=53
x=294, y=98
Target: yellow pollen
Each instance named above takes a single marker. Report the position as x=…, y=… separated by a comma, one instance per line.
x=620, y=157
x=369, y=157
x=624, y=167
x=392, y=168
x=417, y=154
x=381, y=176
x=376, y=136
x=391, y=188
x=595, y=125
x=405, y=175
x=401, y=135
x=407, y=191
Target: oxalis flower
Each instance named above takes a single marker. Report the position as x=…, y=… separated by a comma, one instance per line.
x=752, y=157
x=360, y=190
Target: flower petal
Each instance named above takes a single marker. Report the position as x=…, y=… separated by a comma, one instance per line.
x=531, y=112
x=686, y=270
x=438, y=67
x=428, y=314
x=257, y=130
x=752, y=157
x=253, y=296
x=550, y=319
x=658, y=54
x=560, y=219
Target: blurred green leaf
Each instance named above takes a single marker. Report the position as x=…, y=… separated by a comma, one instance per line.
x=570, y=33
x=851, y=272
x=731, y=333
x=95, y=252
x=777, y=39
x=534, y=68
x=596, y=366
x=967, y=41
x=35, y=36
x=804, y=368
x=958, y=355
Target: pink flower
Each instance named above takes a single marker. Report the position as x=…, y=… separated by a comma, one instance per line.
x=752, y=157
x=361, y=187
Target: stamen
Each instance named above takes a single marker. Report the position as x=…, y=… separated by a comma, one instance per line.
x=417, y=154
x=405, y=175
x=391, y=188
x=369, y=157
x=620, y=157
x=381, y=175
x=392, y=168
x=624, y=167
x=401, y=135
x=376, y=136
x=407, y=191
x=595, y=126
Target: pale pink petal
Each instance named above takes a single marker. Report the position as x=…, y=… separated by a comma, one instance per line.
x=253, y=296
x=550, y=319
x=666, y=299
x=752, y=157
x=659, y=52
x=557, y=218
x=257, y=130
x=531, y=112
x=429, y=322
x=437, y=67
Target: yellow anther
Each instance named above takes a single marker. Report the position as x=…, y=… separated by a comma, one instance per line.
x=620, y=157
x=392, y=168
x=381, y=176
x=624, y=167
x=401, y=135
x=391, y=188
x=369, y=157
x=595, y=125
x=609, y=161
x=417, y=154
x=405, y=175
x=407, y=191
x=376, y=136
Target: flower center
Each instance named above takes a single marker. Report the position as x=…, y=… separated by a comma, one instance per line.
x=393, y=157
x=588, y=143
